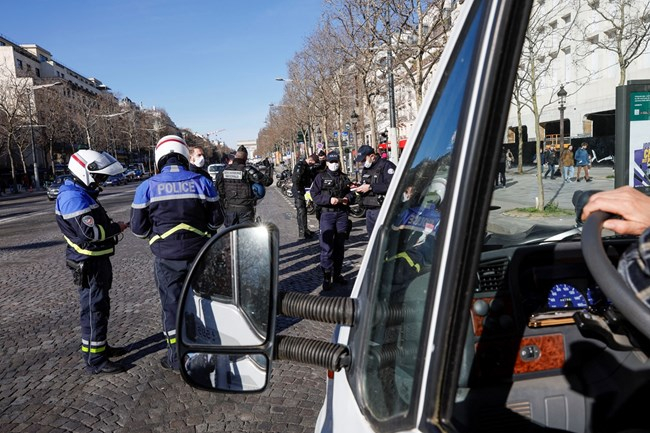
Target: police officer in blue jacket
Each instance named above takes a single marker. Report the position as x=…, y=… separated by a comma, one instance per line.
x=177, y=210
x=375, y=178
x=91, y=236
x=331, y=191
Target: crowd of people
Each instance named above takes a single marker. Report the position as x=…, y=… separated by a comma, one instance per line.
x=176, y=211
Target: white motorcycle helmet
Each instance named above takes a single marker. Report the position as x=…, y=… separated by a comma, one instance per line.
x=92, y=167
x=168, y=145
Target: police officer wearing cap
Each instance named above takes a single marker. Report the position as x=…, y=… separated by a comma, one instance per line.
x=301, y=179
x=91, y=236
x=331, y=191
x=237, y=190
x=177, y=210
x=375, y=178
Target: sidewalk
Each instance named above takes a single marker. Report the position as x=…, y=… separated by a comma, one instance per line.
x=521, y=191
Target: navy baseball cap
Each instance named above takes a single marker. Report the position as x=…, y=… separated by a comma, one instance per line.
x=333, y=157
x=364, y=151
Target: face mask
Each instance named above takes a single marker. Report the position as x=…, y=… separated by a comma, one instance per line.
x=405, y=197
x=367, y=164
x=333, y=166
x=199, y=161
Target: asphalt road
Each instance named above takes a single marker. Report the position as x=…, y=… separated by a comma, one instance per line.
x=43, y=387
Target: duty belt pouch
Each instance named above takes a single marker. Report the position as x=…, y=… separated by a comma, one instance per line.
x=77, y=272
x=348, y=229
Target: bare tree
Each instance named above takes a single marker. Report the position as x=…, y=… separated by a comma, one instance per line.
x=625, y=27
x=543, y=44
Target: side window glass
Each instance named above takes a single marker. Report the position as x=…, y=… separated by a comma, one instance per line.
x=411, y=243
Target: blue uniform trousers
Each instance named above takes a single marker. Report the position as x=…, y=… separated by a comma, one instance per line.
x=333, y=227
x=95, y=306
x=371, y=219
x=170, y=276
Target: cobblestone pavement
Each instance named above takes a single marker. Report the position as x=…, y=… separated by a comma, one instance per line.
x=43, y=387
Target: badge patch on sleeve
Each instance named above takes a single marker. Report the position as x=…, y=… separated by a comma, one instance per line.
x=88, y=220
x=391, y=171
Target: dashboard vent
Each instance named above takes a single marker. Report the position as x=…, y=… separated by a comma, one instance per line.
x=491, y=275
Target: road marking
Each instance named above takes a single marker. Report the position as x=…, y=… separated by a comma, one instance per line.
x=51, y=212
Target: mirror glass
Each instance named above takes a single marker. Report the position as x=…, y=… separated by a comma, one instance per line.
x=229, y=291
x=226, y=372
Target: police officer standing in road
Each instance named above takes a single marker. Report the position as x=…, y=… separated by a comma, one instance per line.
x=240, y=186
x=178, y=211
x=331, y=191
x=197, y=161
x=375, y=178
x=91, y=236
x=302, y=178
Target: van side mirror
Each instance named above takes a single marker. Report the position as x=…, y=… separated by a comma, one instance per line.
x=227, y=311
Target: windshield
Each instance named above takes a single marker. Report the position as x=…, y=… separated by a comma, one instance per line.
x=410, y=245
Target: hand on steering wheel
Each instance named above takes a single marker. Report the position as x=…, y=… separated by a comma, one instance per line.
x=632, y=302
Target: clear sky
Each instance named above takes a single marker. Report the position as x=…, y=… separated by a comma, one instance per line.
x=211, y=64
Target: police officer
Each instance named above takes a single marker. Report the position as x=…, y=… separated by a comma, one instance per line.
x=319, y=167
x=235, y=186
x=178, y=211
x=331, y=191
x=197, y=161
x=91, y=236
x=375, y=178
x=301, y=179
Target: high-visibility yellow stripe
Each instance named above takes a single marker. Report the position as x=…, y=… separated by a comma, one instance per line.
x=181, y=226
x=406, y=257
x=93, y=350
x=171, y=340
x=80, y=250
x=102, y=233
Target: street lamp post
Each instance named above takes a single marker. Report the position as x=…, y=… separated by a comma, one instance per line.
x=561, y=94
x=354, y=118
x=37, y=179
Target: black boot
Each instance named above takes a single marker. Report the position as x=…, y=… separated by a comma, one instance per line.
x=327, y=280
x=338, y=279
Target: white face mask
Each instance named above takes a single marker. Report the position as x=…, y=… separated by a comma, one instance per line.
x=405, y=197
x=333, y=166
x=367, y=164
x=199, y=161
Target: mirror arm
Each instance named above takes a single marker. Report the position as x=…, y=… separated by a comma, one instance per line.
x=336, y=309
x=331, y=356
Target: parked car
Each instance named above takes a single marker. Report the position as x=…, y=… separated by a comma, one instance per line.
x=115, y=180
x=53, y=188
x=214, y=169
x=463, y=317
x=131, y=175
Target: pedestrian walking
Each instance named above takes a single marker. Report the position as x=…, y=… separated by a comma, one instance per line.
x=566, y=158
x=235, y=187
x=501, y=169
x=551, y=160
x=583, y=161
x=177, y=210
x=91, y=236
x=376, y=175
x=331, y=191
x=301, y=179
x=197, y=161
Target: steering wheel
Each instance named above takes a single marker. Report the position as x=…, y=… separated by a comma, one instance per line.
x=624, y=297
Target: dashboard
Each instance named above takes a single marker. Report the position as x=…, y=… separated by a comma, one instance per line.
x=525, y=306
x=543, y=345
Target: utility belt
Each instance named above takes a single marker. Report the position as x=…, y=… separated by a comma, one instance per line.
x=77, y=271
x=334, y=209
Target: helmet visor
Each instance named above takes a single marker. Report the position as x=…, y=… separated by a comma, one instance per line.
x=105, y=164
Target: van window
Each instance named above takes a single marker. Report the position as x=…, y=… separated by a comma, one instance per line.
x=392, y=345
